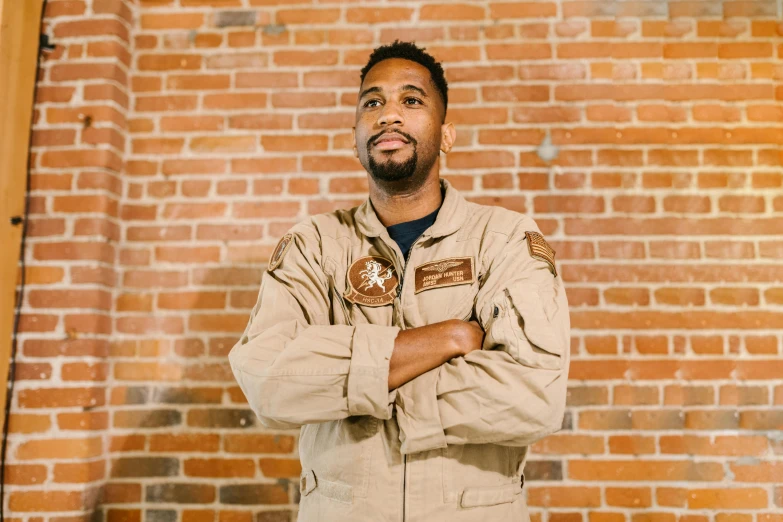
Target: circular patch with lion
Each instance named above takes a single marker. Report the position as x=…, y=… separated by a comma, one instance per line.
x=372, y=281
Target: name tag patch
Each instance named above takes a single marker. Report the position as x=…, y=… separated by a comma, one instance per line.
x=372, y=281
x=444, y=272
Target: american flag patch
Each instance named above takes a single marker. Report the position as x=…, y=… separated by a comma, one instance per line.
x=540, y=249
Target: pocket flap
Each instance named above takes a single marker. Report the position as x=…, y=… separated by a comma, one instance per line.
x=474, y=497
x=537, y=327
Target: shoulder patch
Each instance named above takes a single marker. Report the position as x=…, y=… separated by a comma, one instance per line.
x=372, y=281
x=540, y=249
x=279, y=252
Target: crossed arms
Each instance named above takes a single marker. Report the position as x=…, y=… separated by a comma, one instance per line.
x=499, y=380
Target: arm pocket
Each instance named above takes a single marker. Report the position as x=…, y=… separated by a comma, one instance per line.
x=526, y=331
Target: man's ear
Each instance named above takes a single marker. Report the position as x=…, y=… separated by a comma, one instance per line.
x=447, y=136
x=353, y=138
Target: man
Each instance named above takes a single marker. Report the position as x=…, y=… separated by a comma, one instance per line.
x=421, y=342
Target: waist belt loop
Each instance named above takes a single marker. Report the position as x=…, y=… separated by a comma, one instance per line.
x=307, y=482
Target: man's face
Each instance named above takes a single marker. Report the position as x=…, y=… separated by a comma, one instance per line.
x=399, y=117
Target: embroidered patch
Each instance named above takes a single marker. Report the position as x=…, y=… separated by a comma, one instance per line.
x=444, y=272
x=540, y=249
x=279, y=252
x=372, y=281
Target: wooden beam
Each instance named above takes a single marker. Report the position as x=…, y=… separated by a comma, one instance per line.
x=20, y=26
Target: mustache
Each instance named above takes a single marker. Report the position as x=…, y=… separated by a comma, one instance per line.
x=403, y=134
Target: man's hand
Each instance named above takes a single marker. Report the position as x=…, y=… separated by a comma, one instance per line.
x=468, y=337
x=419, y=350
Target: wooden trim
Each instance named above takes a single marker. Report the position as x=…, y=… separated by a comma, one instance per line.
x=20, y=25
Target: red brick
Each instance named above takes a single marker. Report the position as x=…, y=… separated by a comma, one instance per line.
x=452, y=12
x=727, y=498
x=504, y=10
x=258, y=443
x=735, y=296
x=25, y=475
x=187, y=442
x=41, y=449
x=179, y=20
x=82, y=421
x=220, y=468
x=178, y=102
x=631, y=444
x=281, y=143
x=565, y=443
x=529, y=51
x=45, y=501
x=168, y=62
x=690, y=50
x=305, y=58
x=632, y=470
x=280, y=468
x=201, y=82
x=81, y=472
x=368, y=15
x=629, y=497
x=735, y=50
x=564, y=496
x=517, y=93
x=218, y=323
x=680, y=296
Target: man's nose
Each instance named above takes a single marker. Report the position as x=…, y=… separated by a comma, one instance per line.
x=390, y=115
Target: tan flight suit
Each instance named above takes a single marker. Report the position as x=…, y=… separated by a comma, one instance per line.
x=450, y=445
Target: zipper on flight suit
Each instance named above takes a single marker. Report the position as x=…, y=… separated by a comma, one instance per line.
x=402, y=325
x=398, y=309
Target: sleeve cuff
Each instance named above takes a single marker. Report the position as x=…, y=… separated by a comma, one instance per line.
x=368, y=376
x=418, y=415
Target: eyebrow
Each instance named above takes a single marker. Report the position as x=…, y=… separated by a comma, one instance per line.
x=407, y=87
x=414, y=88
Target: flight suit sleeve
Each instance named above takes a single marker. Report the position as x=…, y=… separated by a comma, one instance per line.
x=513, y=391
x=293, y=365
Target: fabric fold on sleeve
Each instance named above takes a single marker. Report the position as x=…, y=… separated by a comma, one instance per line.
x=368, y=376
x=418, y=415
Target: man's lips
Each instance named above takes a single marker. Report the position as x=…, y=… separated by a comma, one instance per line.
x=391, y=141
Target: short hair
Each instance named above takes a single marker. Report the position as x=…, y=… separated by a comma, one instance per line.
x=409, y=51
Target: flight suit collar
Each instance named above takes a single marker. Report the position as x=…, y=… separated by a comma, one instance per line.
x=450, y=217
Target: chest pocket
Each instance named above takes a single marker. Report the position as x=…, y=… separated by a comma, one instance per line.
x=446, y=284
x=449, y=302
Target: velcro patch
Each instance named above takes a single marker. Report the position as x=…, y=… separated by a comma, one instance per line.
x=540, y=249
x=279, y=252
x=372, y=281
x=444, y=272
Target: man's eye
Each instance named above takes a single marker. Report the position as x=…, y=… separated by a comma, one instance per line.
x=412, y=101
x=372, y=103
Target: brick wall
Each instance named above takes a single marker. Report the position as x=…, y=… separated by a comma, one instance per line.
x=176, y=140
x=58, y=447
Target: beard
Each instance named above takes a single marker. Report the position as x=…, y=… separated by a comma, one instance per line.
x=399, y=176
x=391, y=171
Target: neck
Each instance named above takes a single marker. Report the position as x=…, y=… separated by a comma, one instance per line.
x=402, y=206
